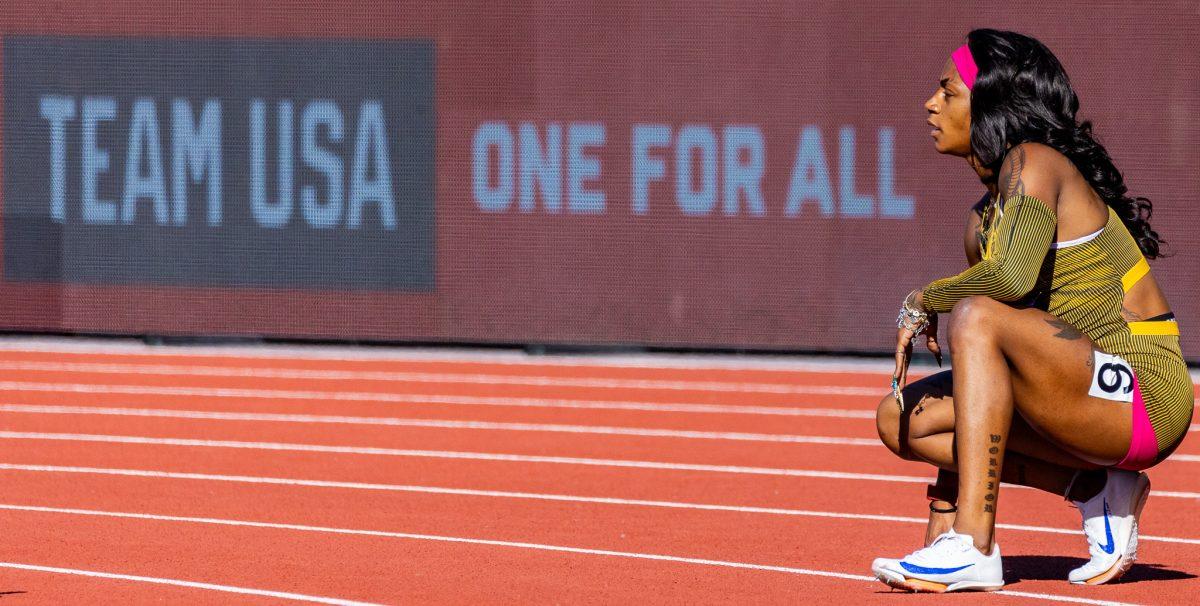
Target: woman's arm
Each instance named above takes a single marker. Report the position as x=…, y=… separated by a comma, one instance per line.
x=1018, y=242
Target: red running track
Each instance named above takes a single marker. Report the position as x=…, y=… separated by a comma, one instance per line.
x=135, y=475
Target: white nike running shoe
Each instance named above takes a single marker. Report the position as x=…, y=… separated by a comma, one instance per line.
x=951, y=563
x=1110, y=523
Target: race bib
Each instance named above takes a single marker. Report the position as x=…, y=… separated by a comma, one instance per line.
x=1112, y=378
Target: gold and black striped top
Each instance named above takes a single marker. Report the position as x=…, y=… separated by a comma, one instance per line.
x=1082, y=282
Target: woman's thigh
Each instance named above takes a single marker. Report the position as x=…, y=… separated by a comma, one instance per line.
x=1051, y=369
x=895, y=425
x=930, y=413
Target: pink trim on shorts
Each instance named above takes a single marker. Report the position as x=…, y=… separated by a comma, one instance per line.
x=965, y=64
x=1143, y=444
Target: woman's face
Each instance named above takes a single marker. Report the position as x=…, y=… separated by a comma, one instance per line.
x=950, y=113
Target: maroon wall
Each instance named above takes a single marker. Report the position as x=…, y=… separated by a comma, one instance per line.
x=673, y=273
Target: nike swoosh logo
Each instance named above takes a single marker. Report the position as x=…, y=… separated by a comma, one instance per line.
x=1108, y=532
x=923, y=570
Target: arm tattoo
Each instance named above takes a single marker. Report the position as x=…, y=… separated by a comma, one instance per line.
x=1065, y=331
x=1010, y=183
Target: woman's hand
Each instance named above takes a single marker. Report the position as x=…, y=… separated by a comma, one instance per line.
x=904, y=348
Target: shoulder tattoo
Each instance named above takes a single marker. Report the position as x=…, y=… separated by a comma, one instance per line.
x=1009, y=182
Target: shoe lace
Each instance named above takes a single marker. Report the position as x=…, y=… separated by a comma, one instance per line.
x=946, y=544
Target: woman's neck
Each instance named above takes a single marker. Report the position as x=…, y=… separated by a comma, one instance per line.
x=986, y=175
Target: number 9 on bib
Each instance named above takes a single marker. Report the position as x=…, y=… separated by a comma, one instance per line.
x=1112, y=378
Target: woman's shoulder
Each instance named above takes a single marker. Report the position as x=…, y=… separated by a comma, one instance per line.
x=1038, y=153
x=1033, y=170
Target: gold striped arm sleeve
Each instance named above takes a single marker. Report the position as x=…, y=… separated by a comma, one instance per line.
x=1010, y=267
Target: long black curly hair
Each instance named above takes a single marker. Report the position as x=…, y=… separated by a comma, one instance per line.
x=1022, y=94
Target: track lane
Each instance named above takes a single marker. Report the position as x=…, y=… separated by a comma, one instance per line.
x=830, y=395
x=869, y=497
x=700, y=485
x=525, y=441
x=770, y=541
x=869, y=457
x=835, y=422
x=551, y=366
x=395, y=570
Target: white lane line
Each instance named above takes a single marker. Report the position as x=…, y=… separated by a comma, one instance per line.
x=483, y=456
x=289, y=394
x=1060, y=598
x=521, y=545
x=427, y=377
x=459, y=354
x=190, y=584
x=444, y=424
x=442, y=454
x=1175, y=494
x=173, y=475
x=452, y=400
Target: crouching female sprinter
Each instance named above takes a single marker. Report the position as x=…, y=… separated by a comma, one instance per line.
x=1067, y=374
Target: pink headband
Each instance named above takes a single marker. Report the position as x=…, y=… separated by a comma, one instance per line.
x=966, y=65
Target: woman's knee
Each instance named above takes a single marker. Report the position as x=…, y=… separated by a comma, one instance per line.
x=931, y=412
x=887, y=421
x=972, y=318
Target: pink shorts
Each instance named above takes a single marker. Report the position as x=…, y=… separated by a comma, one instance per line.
x=1143, y=444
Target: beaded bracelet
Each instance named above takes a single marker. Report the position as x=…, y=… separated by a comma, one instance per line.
x=912, y=318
